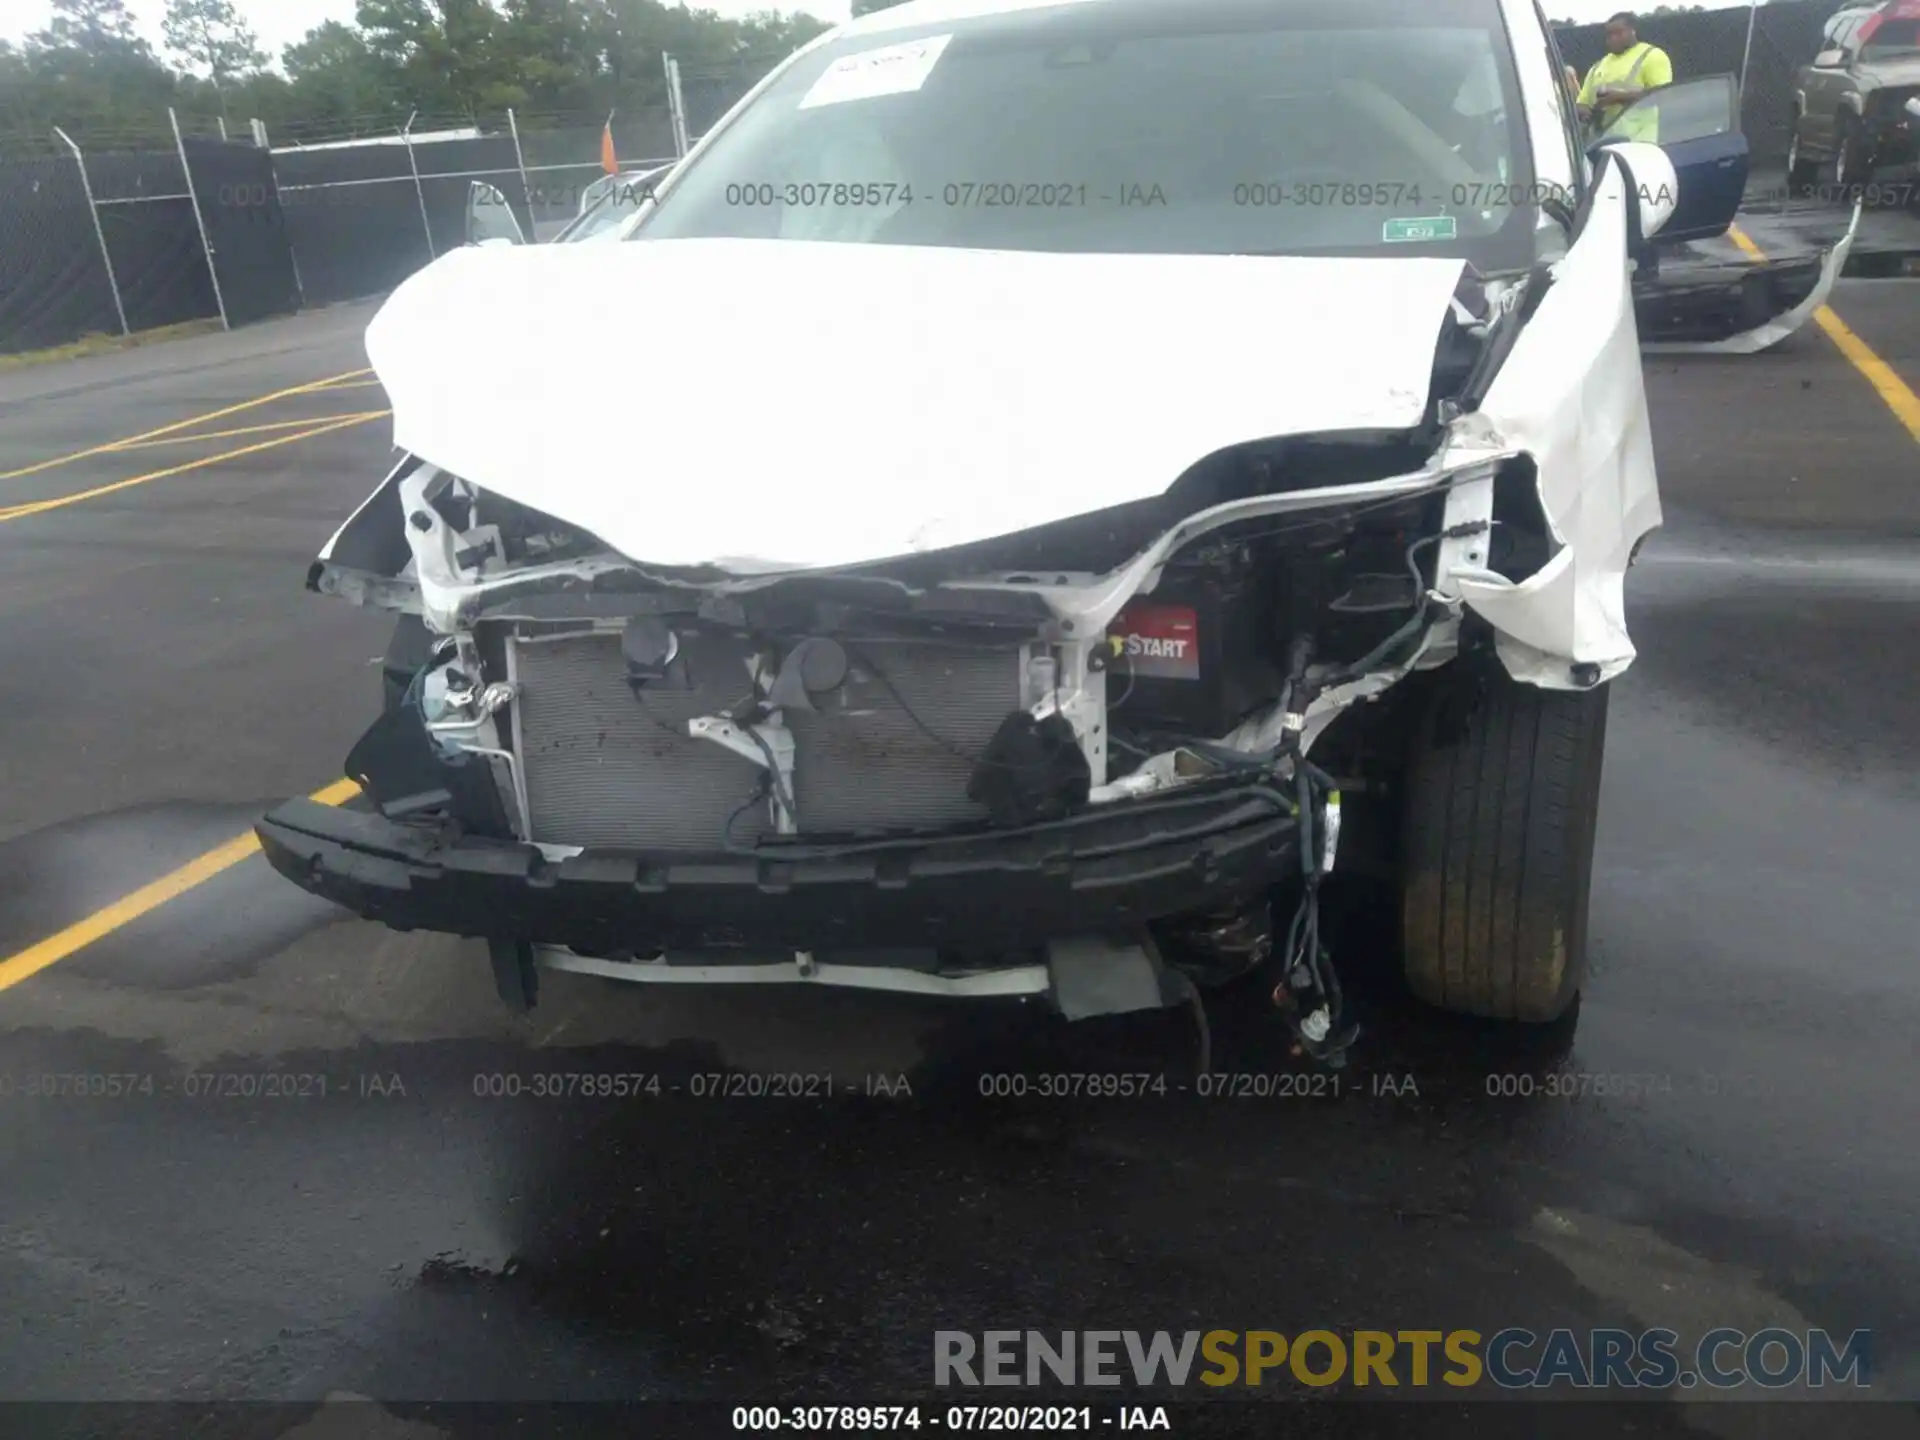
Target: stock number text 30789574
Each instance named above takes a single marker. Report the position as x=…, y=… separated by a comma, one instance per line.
x=954, y=194
x=1398, y=194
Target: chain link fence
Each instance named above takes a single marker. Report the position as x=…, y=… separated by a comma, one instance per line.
x=115, y=241
x=104, y=239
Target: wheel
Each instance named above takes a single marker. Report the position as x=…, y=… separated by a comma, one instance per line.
x=1802, y=172
x=1850, y=159
x=1503, y=789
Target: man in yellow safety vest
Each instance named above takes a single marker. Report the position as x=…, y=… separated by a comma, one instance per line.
x=1629, y=69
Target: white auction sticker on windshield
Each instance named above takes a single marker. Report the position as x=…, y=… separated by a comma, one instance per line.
x=893, y=70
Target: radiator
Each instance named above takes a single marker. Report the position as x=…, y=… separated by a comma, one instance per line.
x=602, y=767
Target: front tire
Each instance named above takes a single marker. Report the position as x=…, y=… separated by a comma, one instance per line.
x=1503, y=791
x=1802, y=172
x=1850, y=168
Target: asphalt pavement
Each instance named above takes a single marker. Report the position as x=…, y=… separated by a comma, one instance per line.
x=391, y=1227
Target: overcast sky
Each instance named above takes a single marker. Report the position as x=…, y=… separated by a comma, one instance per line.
x=280, y=22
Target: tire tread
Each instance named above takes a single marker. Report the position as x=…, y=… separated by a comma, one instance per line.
x=1498, y=831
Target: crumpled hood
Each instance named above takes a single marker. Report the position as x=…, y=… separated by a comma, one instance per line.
x=802, y=405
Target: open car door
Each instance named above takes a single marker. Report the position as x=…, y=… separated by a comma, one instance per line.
x=490, y=217
x=1716, y=298
x=1697, y=122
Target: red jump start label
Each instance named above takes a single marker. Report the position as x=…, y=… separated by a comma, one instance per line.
x=1159, y=642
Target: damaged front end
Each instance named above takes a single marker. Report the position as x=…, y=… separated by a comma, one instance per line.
x=1080, y=761
x=969, y=772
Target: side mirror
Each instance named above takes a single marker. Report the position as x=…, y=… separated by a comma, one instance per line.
x=1828, y=59
x=490, y=219
x=1653, y=186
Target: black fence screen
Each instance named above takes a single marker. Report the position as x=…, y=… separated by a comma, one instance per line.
x=353, y=219
x=53, y=283
x=448, y=169
x=246, y=229
x=153, y=237
x=311, y=224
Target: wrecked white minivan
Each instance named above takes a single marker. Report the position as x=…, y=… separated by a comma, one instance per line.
x=1093, y=469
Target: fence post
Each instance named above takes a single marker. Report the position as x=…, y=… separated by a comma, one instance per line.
x=520, y=159
x=674, y=123
x=419, y=191
x=193, y=194
x=1746, y=54
x=99, y=234
x=293, y=255
x=682, y=142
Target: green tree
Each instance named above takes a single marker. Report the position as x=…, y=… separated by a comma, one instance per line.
x=867, y=7
x=213, y=40
x=88, y=71
x=549, y=58
x=97, y=29
x=335, y=81
x=771, y=33
x=441, y=52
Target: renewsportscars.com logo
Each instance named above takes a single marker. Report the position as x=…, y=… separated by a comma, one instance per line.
x=1510, y=1359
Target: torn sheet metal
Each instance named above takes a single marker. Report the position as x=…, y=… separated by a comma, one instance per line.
x=907, y=422
x=1570, y=395
x=450, y=595
x=1763, y=337
x=897, y=398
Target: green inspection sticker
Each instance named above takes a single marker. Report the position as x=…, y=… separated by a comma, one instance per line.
x=1429, y=227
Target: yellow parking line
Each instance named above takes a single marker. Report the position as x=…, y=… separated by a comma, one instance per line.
x=1882, y=376
x=127, y=445
x=1884, y=379
x=35, y=507
x=1740, y=238
x=124, y=911
x=178, y=425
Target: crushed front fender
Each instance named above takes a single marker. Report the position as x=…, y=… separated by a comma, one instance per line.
x=1713, y=307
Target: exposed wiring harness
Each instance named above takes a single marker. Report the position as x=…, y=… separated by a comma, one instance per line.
x=1427, y=610
x=775, y=782
x=1308, y=994
x=959, y=752
x=773, y=785
x=1425, y=604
